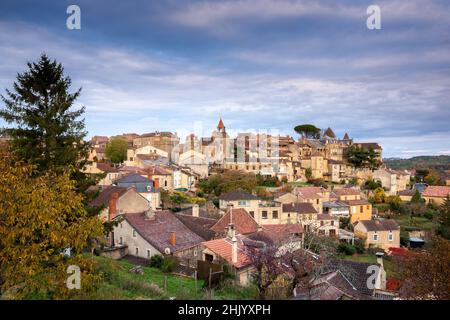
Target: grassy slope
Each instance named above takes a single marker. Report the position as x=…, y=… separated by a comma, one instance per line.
x=388, y=265
x=119, y=283
x=408, y=224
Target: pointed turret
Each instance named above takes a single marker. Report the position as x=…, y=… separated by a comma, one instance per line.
x=329, y=133
x=220, y=126
x=346, y=137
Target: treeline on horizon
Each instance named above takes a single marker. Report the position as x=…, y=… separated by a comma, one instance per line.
x=438, y=163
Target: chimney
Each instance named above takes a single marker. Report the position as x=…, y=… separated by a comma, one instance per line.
x=381, y=279
x=156, y=182
x=112, y=205
x=195, y=210
x=234, y=250
x=173, y=238
x=149, y=214
x=230, y=231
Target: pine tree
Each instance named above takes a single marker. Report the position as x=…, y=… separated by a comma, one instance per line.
x=45, y=130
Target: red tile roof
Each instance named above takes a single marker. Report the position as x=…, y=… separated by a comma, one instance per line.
x=242, y=220
x=156, y=170
x=103, y=198
x=222, y=247
x=106, y=167
x=436, y=191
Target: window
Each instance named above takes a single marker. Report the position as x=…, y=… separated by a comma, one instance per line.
x=134, y=233
x=195, y=252
x=209, y=257
x=148, y=253
x=165, y=183
x=390, y=236
x=275, y=214
x=137, y=251
x=120, y=240
x=332, y=222
x=321, y=223
x=317, y=201
x=361, y=208
x=264, y=214
x=375, y=237
x=368, y=207
x=252, y=213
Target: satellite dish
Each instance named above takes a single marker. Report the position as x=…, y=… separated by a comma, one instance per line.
x=167, y=251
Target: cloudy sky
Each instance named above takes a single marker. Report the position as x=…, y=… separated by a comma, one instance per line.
x=260, y=65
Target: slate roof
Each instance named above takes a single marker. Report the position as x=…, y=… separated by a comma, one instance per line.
x=380, y=225
x=199, y=225
x=133, y=178
x=157, y=231
x=436, y=191
x=103, y=198
x=243, y=222
x=273, y=234
x=357, y=202
x=238, y=195
x=299, y=207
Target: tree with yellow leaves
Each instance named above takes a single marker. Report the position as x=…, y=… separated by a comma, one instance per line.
x=40, y=217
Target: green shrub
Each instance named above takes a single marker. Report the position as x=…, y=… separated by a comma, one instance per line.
x=346, y=249
x=169, y=264
x=156, y=261
x=429, y=214
x=359, y=246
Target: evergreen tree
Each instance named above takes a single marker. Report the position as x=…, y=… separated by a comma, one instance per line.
x=45, y=130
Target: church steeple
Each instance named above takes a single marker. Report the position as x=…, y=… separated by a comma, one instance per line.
x=221, y=126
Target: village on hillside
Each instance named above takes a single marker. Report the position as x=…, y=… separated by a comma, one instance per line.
x=212, y=202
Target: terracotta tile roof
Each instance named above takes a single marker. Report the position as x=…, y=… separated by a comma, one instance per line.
x=156, y=170
x=103, y=198
x=357, y=202
x=325, y=216
x=299, y=207
x=222, y=247
x=132, y=169
x=157, y=231
x=237, y=195
x=106, y=167
x=310, y=192
x=436, y=191
x=380, y=225
x=346, y=192
x=243, y=222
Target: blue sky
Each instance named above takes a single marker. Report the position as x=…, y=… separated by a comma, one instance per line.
x=260, y=65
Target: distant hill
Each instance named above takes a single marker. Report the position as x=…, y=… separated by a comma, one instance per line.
x=439, y=163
